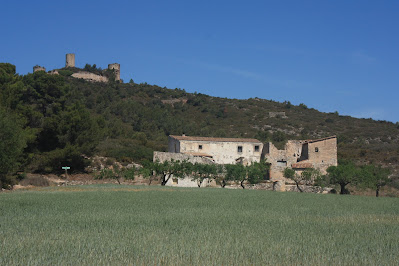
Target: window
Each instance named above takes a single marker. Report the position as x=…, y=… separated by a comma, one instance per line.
x=316, y=149
x=256, y=148
x=282, y=163
x=239, y=149
x=200, y=147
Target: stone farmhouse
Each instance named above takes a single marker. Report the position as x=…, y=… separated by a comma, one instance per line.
x=297, y=154
x=209, y=150
x=219, y=150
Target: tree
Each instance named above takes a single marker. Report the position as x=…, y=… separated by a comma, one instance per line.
x=257, y=171
x=291, y=174
x=167, y=169
x=12, y=143
x=200, y=172
x=117, y=173
x=307, y=177
x=148, y=170
x=220, y=175
x=236, y=172
x=252, y=173
x=375, y=177
x=342, y=175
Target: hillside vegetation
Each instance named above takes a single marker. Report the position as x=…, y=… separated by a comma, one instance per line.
x=63, y=118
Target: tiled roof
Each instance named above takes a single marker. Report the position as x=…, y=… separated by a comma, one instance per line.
x=302, y=165
x=214, y=139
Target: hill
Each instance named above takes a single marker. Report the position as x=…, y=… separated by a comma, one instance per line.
x=65, y=117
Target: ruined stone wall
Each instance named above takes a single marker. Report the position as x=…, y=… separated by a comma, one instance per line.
x=173, y=145
x=323, y=154
x=277, y=114
x=281, y=159
x=317, y=154
x=89, y=76
x=223, y=152
x=39, y=68
x=117, y=68
x=173, y=101
x=70, y=60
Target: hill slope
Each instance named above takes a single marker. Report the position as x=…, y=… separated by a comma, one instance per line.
x=67, y=116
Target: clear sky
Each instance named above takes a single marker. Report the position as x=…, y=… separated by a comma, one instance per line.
x=331, y=55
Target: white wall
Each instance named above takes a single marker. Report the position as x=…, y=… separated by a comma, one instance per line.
x=223, y=152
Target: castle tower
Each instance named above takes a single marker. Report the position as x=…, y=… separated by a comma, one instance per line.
x=70, y=60
x=39, y=68
x=117, y=68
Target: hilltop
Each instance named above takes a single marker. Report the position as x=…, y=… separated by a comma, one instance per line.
x=66, y=117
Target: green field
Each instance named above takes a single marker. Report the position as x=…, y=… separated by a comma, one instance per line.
x=112, y=224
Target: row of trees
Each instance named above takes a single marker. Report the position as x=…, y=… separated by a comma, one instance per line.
x=222, y=174
x=367, y=176
x=346, y=173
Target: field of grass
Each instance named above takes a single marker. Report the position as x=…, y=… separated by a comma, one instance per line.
x=112, y=224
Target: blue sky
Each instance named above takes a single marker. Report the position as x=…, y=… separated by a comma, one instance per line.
x=331, y=55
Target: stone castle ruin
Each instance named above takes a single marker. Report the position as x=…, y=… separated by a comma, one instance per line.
x=92, y=77
x=39, y=68
x=70, y=60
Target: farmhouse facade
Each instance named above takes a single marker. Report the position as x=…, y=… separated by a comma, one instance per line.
x=219, y=150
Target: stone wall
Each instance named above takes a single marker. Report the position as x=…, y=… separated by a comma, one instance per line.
x=117, y=68
x=277, y=114
x=70, y=60
x=281, y=159
x=89, y=76
x=323, y=154
x=223, y=152
x=301, y=154
x=168, y=156
x=39, y=68
x=173, y=101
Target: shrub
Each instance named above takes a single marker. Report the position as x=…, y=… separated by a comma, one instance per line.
x=65, y=73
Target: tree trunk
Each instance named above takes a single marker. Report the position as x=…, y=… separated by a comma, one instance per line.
x=242, y=184
x=164, y=180
x=199, y=183
x=223, y=183
x=377, y=191
x=343, y=189
x=299, y=188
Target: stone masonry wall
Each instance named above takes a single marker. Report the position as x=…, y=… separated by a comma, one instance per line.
x=320, y=154
x=323, y=154
x=223, y=152
x=168, y=156
x=89, y=77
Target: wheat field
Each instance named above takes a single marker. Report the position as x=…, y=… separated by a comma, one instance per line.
x=148, y=225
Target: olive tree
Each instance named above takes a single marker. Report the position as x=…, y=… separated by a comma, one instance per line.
x=375, y=177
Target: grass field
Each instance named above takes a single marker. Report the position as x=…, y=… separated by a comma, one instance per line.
x=112, y=224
